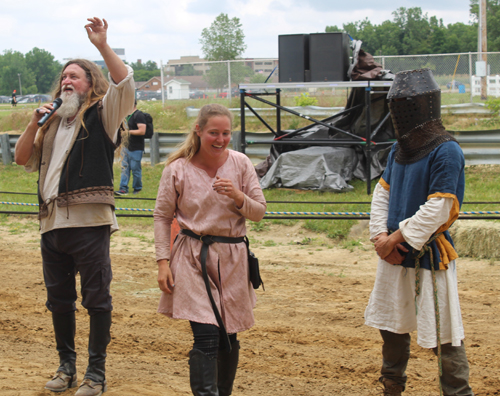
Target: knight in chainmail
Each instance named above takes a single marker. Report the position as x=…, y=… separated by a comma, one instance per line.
x=415, y=202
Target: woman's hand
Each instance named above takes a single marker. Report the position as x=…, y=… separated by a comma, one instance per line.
x=165, y=278
x=225, y=187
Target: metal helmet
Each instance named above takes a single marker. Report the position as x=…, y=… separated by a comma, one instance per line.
x=414, y=99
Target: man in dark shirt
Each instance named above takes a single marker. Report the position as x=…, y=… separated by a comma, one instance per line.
x=132, y=154
x=14, y=98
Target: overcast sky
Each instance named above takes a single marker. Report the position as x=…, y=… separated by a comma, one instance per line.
x=166, y=29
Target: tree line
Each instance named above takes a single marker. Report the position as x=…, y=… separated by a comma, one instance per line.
x=38, y=71
x=413, y=32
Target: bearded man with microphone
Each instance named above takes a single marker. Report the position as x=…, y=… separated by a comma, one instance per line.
x=73, y=152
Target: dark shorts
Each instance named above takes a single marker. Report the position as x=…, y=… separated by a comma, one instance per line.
x=67, y=251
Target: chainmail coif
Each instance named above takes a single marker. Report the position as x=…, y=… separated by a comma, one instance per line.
x=420, y=141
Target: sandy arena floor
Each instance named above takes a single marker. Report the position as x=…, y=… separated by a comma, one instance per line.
x=309, y=337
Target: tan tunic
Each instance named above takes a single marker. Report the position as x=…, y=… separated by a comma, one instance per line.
x=186, y=191
x=117, y=103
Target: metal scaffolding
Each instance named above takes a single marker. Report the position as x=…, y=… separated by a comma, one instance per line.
x=255, y=91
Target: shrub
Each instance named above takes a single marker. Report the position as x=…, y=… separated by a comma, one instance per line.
x=305, y=100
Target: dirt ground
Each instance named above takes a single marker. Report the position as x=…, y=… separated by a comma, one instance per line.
x=309, y=337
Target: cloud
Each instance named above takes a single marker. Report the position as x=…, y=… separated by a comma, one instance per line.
x=209, y=7
x=167, y=29
x=385, y=5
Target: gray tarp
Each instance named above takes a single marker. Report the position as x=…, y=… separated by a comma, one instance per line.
x=313, y=168
x=330, y=168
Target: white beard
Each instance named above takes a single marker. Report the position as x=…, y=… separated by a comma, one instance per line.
x=71, y=103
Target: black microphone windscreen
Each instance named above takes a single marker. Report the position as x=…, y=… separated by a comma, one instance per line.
x=56, y=104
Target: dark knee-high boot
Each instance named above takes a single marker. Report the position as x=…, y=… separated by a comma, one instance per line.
x=202, y=374
x=395, y=355
x=94, y=383
x=455, y=378
x=64, y=331
x=99, y=338
x=227, y=364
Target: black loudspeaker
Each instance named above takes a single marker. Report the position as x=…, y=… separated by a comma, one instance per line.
x=293, y=52
x=328, y=56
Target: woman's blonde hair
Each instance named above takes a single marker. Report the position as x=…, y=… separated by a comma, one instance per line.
x=191, y=145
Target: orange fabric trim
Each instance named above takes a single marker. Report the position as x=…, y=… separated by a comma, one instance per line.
x=446, y=250
x=384, y=184
x=442, y=195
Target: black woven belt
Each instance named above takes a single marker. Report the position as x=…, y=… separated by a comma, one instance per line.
x=207, y=240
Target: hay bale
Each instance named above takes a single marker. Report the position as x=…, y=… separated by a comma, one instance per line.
x=477, y=238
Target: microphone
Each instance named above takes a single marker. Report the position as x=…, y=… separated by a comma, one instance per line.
x=57, y=103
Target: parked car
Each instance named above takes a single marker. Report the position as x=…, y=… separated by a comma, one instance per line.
x=198, y=95
x=5, y=99
x=456, y=84
x=235, y=92
x=44, y=98
x=34, y=98
x=148, y=95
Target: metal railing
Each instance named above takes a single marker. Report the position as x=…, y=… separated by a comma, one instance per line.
x=479, y=147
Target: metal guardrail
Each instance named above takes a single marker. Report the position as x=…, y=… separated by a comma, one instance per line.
x=479, y=147
x=466, y=108
x=306, y=110
x=462, y=108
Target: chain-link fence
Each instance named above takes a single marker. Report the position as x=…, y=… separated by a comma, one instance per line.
x=453, y=72
x=194, y=78
x=203, y=79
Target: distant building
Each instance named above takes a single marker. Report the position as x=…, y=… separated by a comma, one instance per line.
x=177, y=89
x=261, y=65
x=176, y=66
x=153, y=84
x=118, y=51
x=258, y=65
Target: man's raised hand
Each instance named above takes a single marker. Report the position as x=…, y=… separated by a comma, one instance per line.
x=97, y=31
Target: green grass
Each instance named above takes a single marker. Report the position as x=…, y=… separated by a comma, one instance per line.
x=482, y=183
x=259, y=226
x=172, y=117
x=15, y=118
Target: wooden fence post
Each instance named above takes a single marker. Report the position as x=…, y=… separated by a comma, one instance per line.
x=6, y=154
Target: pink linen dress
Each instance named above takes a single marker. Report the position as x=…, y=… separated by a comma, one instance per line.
x=186, y=192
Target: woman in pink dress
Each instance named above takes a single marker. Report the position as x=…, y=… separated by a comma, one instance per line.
x=211, y=190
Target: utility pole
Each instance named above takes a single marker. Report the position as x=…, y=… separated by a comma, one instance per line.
x=20, y=87
x=483, y=46
x=229, y=81
x=162, y=82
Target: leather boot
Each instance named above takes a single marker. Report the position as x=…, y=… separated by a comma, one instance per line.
x=395, y=356
x=202, y=374
x=99, y=338
x=64, y=331
x=227, y=364
x=391, y=388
